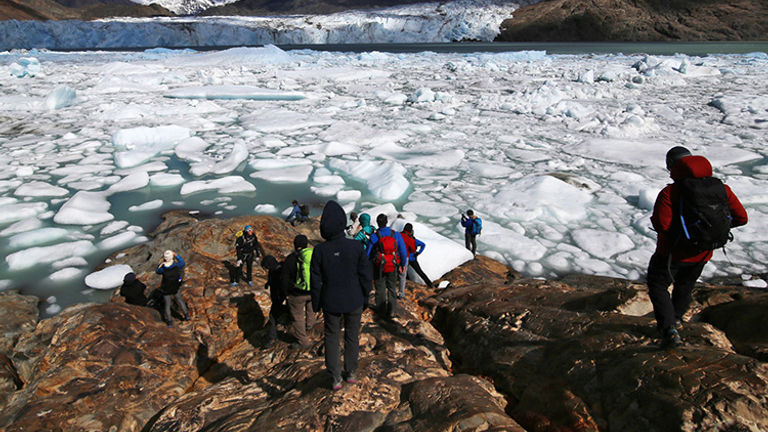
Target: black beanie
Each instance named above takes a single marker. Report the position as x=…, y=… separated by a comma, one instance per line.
x=300, y=241
x=675, y=154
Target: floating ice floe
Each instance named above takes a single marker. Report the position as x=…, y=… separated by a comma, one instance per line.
x=231, y=184
x=19, y=211
x=386, y=180
x=40, y=189
x=85, y=208
x=60, y=97
x=26, y=67
x=602, y=244
x=166, y=180
x=47, y=254
x=536, y=197
x=233, y=92
x=281, y=120
x=142, y=143
x=150, y=205
x=108, y=278
x=66, y=273
x=293, y=174
x=37, y=237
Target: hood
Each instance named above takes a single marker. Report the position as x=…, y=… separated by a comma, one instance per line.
x=691, y=166
x=365, y=220
x=333, y=221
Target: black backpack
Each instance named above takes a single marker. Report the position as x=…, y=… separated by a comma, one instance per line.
x=705, y=216
x=304, y=210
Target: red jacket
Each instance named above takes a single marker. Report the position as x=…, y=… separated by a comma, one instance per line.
x=666, y=209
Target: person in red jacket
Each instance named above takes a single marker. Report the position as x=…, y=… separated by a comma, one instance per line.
x=675, y=262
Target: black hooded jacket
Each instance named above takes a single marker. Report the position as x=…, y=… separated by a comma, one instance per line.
x=340, y=272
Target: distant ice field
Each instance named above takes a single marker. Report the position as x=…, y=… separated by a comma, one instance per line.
x=561, y=155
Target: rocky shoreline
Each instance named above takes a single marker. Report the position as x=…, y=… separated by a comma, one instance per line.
x=493, y=351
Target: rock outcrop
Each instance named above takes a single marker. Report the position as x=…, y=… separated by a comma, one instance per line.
x=493, y=351
x=637, y=20
x=76, y=10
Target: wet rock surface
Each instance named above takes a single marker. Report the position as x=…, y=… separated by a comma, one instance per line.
x=493, y=351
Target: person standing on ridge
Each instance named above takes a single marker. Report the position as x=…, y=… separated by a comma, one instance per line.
x=247, y=249
x=340, y=283
x=296, y=283
x=415, y=247
x=388, y=252
x=170, y=270
x=276, y=294
x=473, y=225
x=682, y=246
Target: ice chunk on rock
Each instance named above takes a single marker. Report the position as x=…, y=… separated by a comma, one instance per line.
x=108, y=278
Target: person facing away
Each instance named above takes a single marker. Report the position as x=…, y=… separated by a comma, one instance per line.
x=365, y=232
x=340, y=283
x=276, y=294
x=676, y=260
x=387, y=251
x=472, y=226
x=133, y=290
x=170, y=270
x=296, y=283
x=247, y=249
x=415, y=247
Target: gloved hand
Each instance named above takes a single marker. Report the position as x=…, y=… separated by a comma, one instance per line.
x=239, y=263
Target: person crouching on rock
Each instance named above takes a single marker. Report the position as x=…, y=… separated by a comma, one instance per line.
x=340, y=283
x=170, y=270
x=133, y=290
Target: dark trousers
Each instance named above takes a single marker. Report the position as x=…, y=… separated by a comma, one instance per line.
x=417, y=268
x=248, y=264
x=351, y=342
x=661, y=274
x=179, y=302
x=277, y=309
x=470, y=242
x=302, y=317
x=386, y=293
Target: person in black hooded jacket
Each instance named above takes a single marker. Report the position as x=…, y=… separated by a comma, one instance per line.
x=340, y=283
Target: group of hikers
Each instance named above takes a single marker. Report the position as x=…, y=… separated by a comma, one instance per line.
x=692, y=216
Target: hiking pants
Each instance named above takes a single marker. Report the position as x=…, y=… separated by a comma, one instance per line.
x=683, y=276
x=402, y=277
x=248, y=264
x=302, y=317
x=275, y=311
x=417, y=268
x=351, y=342
x=470, y=242
x=386, y=293
x=179, y=302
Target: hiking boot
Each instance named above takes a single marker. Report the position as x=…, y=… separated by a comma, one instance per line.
x=678, y=325
x=671, y=339
x=336, y=384
x=233, y=284
x=351, y=378
x=250, y=284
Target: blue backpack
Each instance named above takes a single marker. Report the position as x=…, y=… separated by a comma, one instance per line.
x=477, y=226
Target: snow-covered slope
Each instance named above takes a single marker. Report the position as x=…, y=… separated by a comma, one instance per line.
x=422, y=23
x=186, y=7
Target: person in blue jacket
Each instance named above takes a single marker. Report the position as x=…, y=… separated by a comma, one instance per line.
x=170, y=270
x=297, y=215
x=472, y=226
x=415, y=247
x=385, y=276
x=340, y=283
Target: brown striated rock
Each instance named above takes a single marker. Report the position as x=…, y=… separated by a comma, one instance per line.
x=566, y=360
x=638, y=20
x=20, y=315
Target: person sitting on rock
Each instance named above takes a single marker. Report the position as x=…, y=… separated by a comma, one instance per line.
x=170, y=269
x=340, y=283
x=133, y=290
x=296, y=286
x=299, y=213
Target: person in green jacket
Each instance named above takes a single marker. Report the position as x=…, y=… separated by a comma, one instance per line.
x=366, y=230
x=296, y=286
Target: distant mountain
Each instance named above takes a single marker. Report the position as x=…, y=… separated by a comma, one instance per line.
x=76, y=9
x=302, y=7
x=638, y=20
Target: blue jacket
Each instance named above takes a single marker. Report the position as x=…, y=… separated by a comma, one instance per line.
x=469, y=225
x=419, y=249
x=295, y=213
x=340, y=273
x=171, y=276
x=402, y=252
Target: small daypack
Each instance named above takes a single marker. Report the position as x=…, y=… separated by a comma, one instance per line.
x=386, y=257
x=705, y=216
x=304, y=209
x=477, y=226
x=410, y=242
x=302, y=268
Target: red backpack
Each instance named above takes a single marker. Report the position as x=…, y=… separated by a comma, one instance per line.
x=386, y=257
x=410, y=242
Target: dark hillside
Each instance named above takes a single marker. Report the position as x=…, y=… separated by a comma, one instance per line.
x=75, y=9
x=638, y=20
